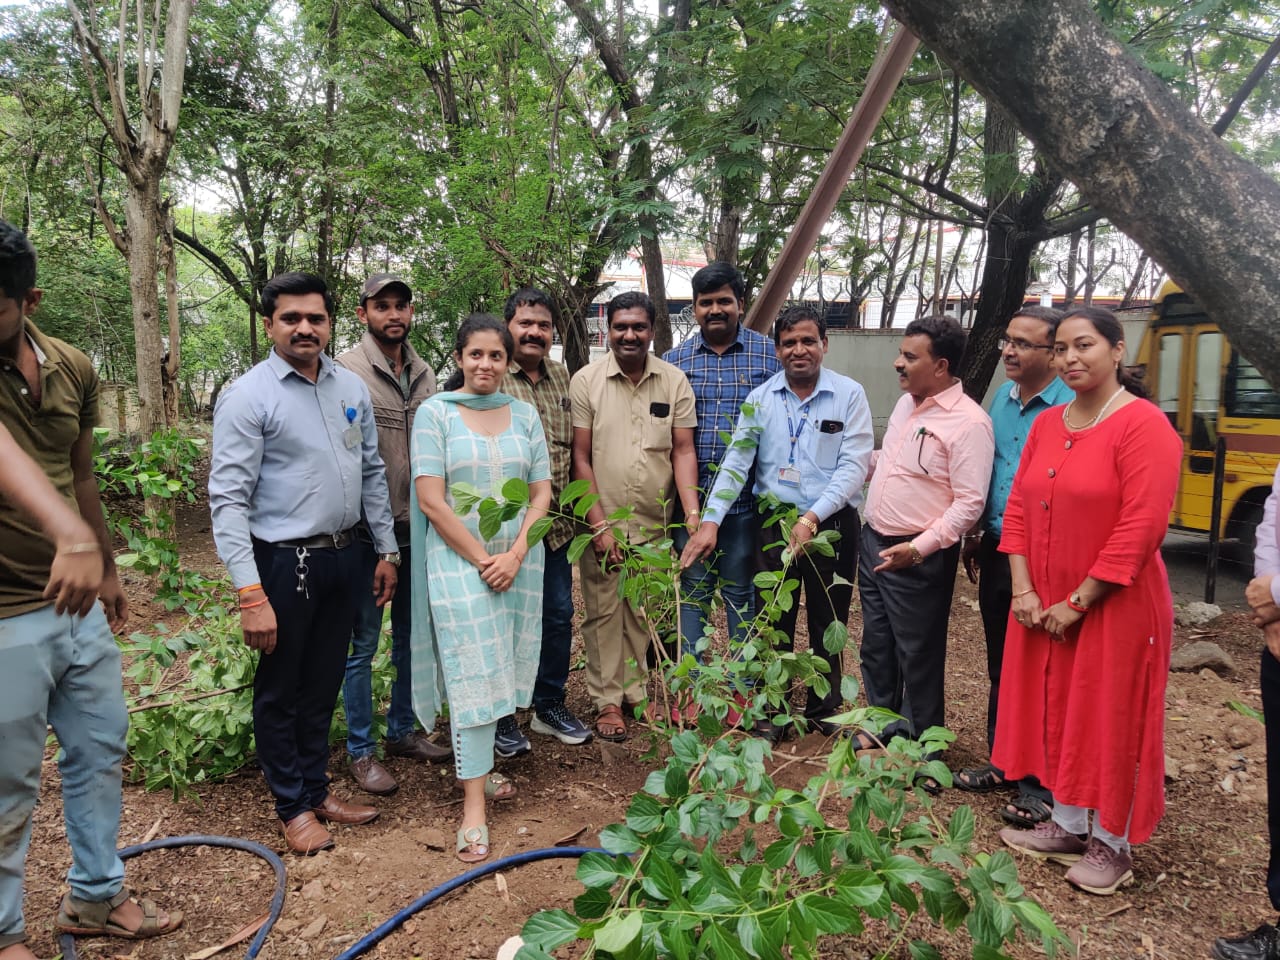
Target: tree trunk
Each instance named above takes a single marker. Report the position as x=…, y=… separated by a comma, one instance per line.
x=142, y=221
x=1090, y=281
x=655, y=271
x=1209, y=217
x=1073, y=269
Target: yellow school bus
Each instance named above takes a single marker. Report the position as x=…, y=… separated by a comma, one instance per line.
x=1208, y=390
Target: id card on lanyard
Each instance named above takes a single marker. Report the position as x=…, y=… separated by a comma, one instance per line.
x=790, y=474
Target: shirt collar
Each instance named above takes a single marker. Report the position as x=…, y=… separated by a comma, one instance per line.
x=948, y=398
x=739, y=342
x=824, y=384
x=613, y=370
x=1048, y=395
x=518, y=371
x=34, y=337
x=281, y=367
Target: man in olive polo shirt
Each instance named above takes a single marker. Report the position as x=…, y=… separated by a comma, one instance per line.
x=633, y=423
x=58, y=669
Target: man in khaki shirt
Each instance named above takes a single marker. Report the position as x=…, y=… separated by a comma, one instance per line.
x=633, y=423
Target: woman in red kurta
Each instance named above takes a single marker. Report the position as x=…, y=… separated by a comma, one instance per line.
x=1085, y=666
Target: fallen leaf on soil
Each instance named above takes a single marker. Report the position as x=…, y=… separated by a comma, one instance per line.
x=1149, y=945
x=501, y=883
x=244, y=933
x=155, y=828
x=571, y=838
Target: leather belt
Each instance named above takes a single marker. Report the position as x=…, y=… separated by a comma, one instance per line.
x=326, y=541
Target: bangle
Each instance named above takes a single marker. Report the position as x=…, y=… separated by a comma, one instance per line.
x=1024, y=592
x=255, y=603
x=93, y=547
x=1073, y=601
x=812, y=527
x=601, y=527
x=249, y=589
x=970, y=537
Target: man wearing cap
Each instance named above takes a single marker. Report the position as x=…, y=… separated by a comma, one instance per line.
x=295, y=463
x=398, y=381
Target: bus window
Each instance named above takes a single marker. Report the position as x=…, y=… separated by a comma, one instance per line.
x=1206, y=392
x=1169, y=372
x=1248, y=394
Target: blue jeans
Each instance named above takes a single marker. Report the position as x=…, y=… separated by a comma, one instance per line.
x=732, y=569
x=63, y=671
x=557, y=629
x=357, y=687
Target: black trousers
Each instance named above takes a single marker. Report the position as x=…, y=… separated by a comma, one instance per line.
x=296, y=685
x=1271, y=710
x=904, y=633
x=995, y=597
x=826, y=602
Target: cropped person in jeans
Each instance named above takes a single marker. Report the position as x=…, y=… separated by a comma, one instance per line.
x=724, y=361
x=398, y=381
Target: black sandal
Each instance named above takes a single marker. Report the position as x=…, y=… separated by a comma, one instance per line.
x=1027, y=811
x=983, y=779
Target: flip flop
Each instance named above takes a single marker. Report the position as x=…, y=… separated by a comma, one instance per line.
x=982, y=779
x=494, y=783
x=473, y=844
x=1026, y=811
x=92, y=918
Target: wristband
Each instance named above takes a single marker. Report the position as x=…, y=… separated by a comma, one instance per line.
x=812, y=527
x=256, y=603
x=1073, y=601
x=94, y=547
x=250, y=588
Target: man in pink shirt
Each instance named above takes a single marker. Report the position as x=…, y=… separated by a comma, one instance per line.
x=928, y=487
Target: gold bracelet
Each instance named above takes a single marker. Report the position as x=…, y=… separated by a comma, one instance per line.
x=1024, y=592
x=813, y=527
x=94, y=547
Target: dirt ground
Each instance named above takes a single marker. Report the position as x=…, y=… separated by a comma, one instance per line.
x=1199, y=877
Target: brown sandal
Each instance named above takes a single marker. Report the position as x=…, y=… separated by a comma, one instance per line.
x=610, y=724
x=87, y=918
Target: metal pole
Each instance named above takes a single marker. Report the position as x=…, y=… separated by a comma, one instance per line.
x=882, y=81
x=1215, y=518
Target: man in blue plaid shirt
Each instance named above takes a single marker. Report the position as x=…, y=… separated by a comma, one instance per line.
x=724, y=362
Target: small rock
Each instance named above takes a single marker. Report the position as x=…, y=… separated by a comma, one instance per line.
x=314, y=928
x=358, y=857
x=1228, y=783
x=374, y=893
x=431, y=837
x=1200, y=654
x=285, y=926
x=313, y=890
x=1207, y=674
x=1198, y=614
x=1190, y=768
x=1170, y=769
x=1239, y=736
x=521, y=831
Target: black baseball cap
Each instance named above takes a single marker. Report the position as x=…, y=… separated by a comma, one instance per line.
x=379, y=282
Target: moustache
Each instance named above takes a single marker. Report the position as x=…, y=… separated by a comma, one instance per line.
x=303, y=340
x=538, y=340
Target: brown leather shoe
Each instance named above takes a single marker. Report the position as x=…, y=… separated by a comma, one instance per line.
x=304, y=834
x=334, y=810
x=373, y=777
x=417, y=746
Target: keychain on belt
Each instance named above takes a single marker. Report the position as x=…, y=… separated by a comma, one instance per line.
x=302, y=571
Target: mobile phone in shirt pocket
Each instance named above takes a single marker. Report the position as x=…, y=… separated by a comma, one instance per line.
x=657, y=429
x=827, y=450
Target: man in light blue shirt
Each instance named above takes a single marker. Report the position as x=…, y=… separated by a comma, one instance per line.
x=808, y=432
x=1026, y=351
x=295, y=461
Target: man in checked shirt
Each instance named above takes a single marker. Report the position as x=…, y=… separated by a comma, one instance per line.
x=724, y=362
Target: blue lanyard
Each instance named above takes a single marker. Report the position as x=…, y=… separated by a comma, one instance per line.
x=792, y=431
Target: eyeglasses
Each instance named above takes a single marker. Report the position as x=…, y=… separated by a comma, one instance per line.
x=1022, y=346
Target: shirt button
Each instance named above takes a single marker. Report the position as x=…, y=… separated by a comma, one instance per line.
x=23, y=391
x=1052, y=473
x=1044, y=504
x=1067, y=445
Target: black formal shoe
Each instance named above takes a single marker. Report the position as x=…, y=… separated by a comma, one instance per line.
x=768, y=730
x=824, y=726
x=1261, y=944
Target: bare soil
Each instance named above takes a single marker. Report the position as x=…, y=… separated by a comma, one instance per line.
x=1200, y=876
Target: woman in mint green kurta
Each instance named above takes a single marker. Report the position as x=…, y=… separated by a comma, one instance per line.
x=481, y=638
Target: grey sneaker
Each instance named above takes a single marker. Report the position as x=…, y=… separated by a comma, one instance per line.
x=1101, y=870
x=510, y=741
x=1047, y=841
x=556, y=721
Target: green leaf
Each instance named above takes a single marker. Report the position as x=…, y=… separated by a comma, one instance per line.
x=550, y=929
x=676, y=782
x=923, y=951
x=593, y=903
x=516, y=490
x=835, y=637
x=829, y=915
x=960, y=827
x=597, y=870
x=574, y=490
x=538, y=530
x=716, y=942
x=619, y=839
x=578, y=546
x=645, y=814
x=619, y=931
x=586, y=503
x=1241, y=708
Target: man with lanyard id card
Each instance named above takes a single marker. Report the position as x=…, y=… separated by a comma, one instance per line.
x=808, y=432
